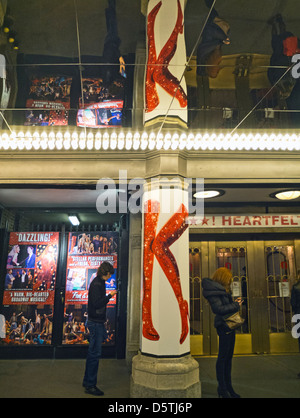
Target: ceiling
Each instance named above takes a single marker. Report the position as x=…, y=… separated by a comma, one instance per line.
x=48, y=27
x=50, y=198
x=52, y=205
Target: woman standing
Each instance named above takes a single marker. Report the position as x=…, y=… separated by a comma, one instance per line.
x=217, y=292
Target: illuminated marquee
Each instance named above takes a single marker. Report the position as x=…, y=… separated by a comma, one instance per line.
x=245, y=221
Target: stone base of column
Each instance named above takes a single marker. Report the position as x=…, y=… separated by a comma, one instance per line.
x=165, y=377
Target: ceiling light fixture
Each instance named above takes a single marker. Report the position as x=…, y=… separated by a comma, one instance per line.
x=7, y=24
x=287, y=195
x=15, y=46
x=208, y=194
x=74, y=220
x=11, y=37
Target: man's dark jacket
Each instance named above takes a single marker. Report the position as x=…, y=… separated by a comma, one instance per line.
x=220, y=301
x=97, y=300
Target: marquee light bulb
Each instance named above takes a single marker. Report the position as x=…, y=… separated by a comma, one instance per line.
x=141, y=141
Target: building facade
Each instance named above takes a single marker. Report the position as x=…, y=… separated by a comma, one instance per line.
x=222, y=133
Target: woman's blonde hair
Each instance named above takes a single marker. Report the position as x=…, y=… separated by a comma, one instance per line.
x=223, y=276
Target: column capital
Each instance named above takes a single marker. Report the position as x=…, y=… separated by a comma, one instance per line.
x=163, y=182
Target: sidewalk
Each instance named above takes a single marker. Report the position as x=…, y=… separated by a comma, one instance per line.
x=262, y=376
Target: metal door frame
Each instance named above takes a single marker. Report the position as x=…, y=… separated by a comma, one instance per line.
x=283, y=341
x=207, y=343
x=259, y=340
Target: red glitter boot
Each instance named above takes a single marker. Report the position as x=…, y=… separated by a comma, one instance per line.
x=169, y=233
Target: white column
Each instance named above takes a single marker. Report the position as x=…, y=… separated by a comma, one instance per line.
x=165, y=86
x=165, y=270
x=164, y=366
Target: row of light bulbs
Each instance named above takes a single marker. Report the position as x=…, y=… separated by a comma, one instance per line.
x=11, y=34
x=148, y=141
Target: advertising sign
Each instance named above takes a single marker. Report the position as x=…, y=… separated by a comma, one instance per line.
x=86, y=252
x=29, y=286
x=49, y=101
x=100, y=106
x=245, y=221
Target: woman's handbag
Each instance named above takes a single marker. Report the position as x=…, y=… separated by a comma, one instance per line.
x=234, y=321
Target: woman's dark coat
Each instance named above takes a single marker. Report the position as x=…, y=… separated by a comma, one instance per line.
x=220, y=301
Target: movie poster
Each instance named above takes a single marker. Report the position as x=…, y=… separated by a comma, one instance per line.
x=49, y=101
x=29, y=287
x=99, y=106
x=86, y=252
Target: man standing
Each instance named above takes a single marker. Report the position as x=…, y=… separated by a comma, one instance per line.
x=30, y=260
x=9, y=279
x=97, y=301
x=24, y=280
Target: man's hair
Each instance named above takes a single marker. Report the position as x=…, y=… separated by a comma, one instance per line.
x=105, y=268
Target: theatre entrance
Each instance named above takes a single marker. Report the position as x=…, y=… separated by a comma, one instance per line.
x=263, y=275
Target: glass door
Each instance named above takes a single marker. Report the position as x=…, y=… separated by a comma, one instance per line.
x=280, y=272
x=233, y=256
x=263, y=275
x=205, y=258
x=196, y=301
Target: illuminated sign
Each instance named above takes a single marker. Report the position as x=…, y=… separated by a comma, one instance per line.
x=245, y=221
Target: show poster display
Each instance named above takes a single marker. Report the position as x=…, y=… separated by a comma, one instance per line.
x=29, y=287
x=48, y=103
x=86, y=252
x=99, y=106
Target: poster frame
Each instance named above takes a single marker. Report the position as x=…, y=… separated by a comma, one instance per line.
x=56, y=349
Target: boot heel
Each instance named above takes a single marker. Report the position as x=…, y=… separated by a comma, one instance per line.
x=222, y=393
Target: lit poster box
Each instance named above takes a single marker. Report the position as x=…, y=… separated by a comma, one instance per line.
x=48, y=103
x=30, y=279
x=101, y=115
x=100, y=106
x=29, y=287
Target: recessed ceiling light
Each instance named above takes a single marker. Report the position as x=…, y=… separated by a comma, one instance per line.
x=287, y=195
x=207, y=194
x=74, y=220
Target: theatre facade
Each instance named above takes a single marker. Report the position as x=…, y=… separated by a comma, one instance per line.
x=127, y=158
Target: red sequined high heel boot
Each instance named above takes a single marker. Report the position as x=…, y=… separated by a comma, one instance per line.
x=185, y=319
x=151, y=96
x=161, y=73
x=151, y=215
x=169, y=233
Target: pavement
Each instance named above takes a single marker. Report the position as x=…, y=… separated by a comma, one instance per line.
x=257, y=376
